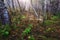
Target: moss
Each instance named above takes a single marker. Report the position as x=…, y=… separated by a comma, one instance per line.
x=48, y=22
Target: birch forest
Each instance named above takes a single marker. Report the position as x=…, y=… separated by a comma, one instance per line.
x=30, y=19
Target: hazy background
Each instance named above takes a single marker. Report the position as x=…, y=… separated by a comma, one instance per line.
x=24, y=3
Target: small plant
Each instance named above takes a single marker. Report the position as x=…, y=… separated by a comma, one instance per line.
x=50, y=29
x=54, y=18
x=23, y=17
x=4, y=30
x=27, y=30
x=31, y=37
x=48, y=22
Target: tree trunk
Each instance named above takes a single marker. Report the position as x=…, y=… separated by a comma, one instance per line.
x=4, y=15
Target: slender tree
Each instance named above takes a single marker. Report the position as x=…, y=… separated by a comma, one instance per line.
x=13, y=4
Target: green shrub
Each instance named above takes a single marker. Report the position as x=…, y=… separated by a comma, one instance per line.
x=27, y=30
x=4, y=30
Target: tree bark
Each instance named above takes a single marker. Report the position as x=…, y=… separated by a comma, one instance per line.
x=4, y=15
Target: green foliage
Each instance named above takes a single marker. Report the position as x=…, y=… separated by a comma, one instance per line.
x=4, y=30
x=27, y=31
x=50, y=29
x=54, y=18
x=30, y=25
x=48, y=22
x=23, y=17
x=16, y=20
x=14, y=26
x=6, y=33
x=31, y=37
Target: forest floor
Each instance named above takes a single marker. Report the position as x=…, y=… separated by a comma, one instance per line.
x=39, y=31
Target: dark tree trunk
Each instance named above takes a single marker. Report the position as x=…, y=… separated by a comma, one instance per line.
x=2, y=0
x=4, y=15
x=54, y=6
